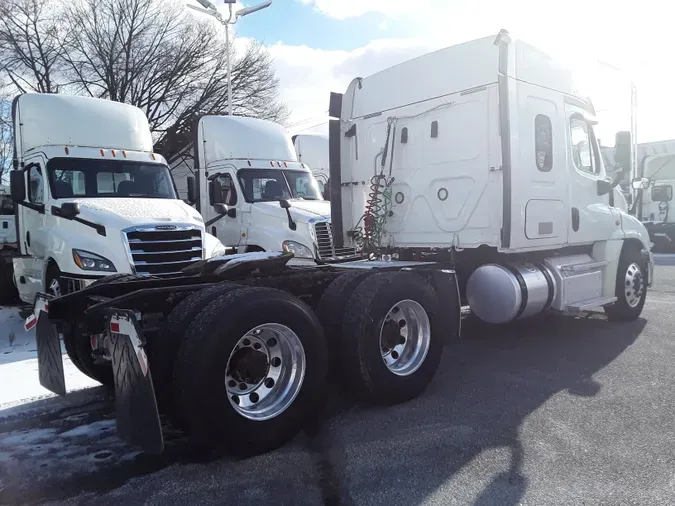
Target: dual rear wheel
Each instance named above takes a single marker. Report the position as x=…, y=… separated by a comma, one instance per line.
x=250, y=363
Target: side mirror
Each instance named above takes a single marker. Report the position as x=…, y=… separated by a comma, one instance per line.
x=215, y=193
x=604, y=186
x=623, y=150
x=285, y=204
x=640, y=183
x=17, y=181
x=191, y=190
x=69, y=210
x=224, y=209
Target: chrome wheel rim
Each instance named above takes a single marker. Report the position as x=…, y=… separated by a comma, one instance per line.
x=265, y=371
x=54, y=288
x=405, y=337
x=634, y=285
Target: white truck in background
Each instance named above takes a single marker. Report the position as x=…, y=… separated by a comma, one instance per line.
x=254, y=193
x=92, y=198
x=653, y=200
x=312, y=150
x=8, y=293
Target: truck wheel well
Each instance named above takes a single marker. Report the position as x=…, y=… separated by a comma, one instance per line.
x=253, y=247
x=633, y=243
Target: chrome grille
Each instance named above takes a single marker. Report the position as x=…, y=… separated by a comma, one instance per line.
x=160, y=251
x=325, y=246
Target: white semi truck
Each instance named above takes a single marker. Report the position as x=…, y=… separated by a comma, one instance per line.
x=8, y=293
x=468, y=175
x=653, y=201
x=312, y=150
x=256, y=195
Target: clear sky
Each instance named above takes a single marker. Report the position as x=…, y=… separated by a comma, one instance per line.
x=321, y=45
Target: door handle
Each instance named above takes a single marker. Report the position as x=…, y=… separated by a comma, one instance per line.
x=575, y=219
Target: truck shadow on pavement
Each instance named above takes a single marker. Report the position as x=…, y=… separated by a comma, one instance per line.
x=460, y=439
x=460, y=442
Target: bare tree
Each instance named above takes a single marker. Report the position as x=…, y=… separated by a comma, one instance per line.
x=30, y=50
x=149, y=53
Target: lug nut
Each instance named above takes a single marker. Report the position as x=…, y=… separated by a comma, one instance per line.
x=253, y=397
x=394, y=355
x=242, y=386
x=269, y=382
x=235, y=399
x=401, y=323
x=271, y=342
x=231, y=383
x=247, y=342
x=276, y=362
x=256, y=346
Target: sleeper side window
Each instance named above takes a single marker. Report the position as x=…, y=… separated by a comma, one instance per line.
x=543, y=142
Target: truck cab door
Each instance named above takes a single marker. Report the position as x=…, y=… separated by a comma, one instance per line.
x=539, y=179
x=592, y=218
x=225, y=191
x=32, y=233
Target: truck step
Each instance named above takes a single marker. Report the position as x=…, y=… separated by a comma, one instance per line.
x=587, y=305
x=585, y=267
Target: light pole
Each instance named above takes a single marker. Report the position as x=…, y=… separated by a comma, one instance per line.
x=633, y=117
x=211, y=10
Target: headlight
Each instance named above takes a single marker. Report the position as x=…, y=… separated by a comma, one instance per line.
x=298, y=250
x=88, y=261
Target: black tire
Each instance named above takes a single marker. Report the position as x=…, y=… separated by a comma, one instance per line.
x=8, y=292
x=54, y=274
x=331, y=307
x=78, y=345
x=199, y=374
x=364, y=317
x=621, y=310
x=162, y=350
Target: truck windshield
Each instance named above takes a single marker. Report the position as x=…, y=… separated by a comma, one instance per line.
x=86, y=178
x=260, y=185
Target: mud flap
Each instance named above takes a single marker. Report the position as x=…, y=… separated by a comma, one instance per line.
x=50, y=361
x=445, y=283
x=137, y=416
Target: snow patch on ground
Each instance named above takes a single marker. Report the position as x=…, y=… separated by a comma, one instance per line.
x=18, y=364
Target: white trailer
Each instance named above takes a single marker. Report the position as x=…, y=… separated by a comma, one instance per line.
x=312, y=150
x=468, y=175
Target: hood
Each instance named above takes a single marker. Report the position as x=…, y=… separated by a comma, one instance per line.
x=135, y=211
x=301, y=210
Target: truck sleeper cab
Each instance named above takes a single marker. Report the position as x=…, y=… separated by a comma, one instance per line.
x=497, y=168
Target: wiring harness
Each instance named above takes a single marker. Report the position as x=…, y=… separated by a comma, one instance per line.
x=368, y=232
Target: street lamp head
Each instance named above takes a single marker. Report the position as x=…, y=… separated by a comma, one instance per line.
x=254, y=8
x=207, y=5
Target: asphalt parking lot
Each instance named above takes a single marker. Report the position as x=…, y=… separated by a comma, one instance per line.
x=549, y=411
